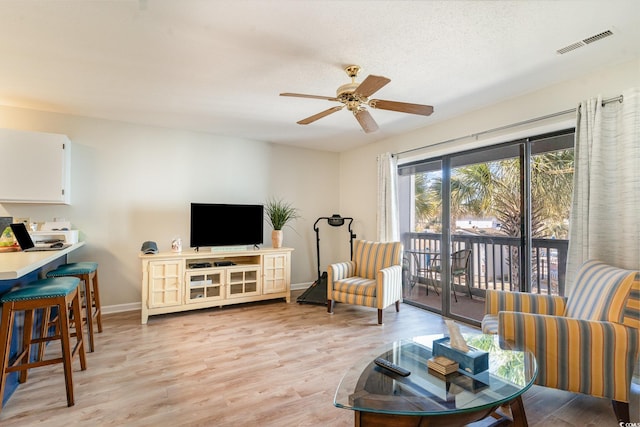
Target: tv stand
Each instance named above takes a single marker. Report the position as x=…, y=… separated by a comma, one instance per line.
x=189, y=280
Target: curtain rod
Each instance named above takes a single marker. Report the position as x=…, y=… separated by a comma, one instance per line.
x=525, y=122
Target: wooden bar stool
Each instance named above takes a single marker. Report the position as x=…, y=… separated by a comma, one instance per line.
x=88, y=273
x=61, y=293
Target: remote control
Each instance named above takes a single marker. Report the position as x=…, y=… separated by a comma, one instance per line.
x=383, y=363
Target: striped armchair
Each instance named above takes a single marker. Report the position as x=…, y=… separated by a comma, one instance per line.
x=587, y=343
x=373, y=277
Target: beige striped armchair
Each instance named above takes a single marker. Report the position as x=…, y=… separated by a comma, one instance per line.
x=587, y=343
x=372, y=278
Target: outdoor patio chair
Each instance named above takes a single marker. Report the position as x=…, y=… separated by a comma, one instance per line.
x=459, y=268
x=421, y=263
x=587, y=343
x=372, y=278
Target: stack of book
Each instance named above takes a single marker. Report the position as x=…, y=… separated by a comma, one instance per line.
x=441, y=366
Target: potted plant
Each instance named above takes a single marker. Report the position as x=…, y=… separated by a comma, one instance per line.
x=279, y=213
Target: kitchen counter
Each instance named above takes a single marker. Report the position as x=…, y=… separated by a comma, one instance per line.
x=14, y=265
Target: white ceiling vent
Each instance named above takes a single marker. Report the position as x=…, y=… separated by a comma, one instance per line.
x=584, y=42
x=570, y=48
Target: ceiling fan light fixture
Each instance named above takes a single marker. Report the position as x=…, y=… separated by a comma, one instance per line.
x=347, y=89
x=355, y=97
x=354, y=105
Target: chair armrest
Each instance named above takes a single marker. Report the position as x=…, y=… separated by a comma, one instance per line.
x=340, y=270
x=582, y=356
x=497, y=301
x=389, y=286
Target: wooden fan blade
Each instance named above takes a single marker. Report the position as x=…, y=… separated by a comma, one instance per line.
x=300, y=95
x=403, y=107
x=366, y=121
x=370, y=85
x=315, y=117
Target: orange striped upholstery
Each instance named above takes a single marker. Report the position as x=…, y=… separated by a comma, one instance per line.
x=581, y=356
x=631, y=315
x=497, y=301
x=590, y=345
x=373, y=278
x=370, y=257
x=341, y=270
x=600, y=292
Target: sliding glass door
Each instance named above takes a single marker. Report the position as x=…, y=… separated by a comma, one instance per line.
x=551, y=191
x=491, y=218
x=421, y=222
x=485, y=217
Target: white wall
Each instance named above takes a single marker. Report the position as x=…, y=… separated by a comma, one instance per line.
x=133, y=183
x=358, y=167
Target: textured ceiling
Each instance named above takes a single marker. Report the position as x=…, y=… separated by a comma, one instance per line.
x=219, y=66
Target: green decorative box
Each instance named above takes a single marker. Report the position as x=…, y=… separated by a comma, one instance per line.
x=474, y=361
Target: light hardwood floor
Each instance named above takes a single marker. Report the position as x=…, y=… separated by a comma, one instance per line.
x=262, y=364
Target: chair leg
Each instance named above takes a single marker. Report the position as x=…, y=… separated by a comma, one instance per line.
x=453, y=290
x=379, y=316
x=398, y=306
x=621, y=410
x=6, y=331
x=329, y=306
x=47, y=323
x=88, y=303
x=96, y=301
x=79, y=348
x=66, y=348
x=431, y=280
x=46, y=315
x=25, y=351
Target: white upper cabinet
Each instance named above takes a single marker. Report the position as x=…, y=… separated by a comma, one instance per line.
x=34, y=167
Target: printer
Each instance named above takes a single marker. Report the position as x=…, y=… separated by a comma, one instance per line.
x=59, y=231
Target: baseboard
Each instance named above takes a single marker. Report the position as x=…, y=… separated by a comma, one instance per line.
x=300, y=286
x=133, y=306
x=121, y=308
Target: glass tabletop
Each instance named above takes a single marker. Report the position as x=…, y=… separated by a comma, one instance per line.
x=369, y=388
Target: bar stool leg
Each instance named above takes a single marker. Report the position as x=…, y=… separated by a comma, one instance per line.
x=96, y=300
x=77, y=314
x=25, y=352
x=71, y=303
x=44, y=331
x=91, y=304
x=66, y=351
x=88, y=304
x=6, y=333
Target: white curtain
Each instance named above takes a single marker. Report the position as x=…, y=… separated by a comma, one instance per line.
x=605, y=212
x=388, y=226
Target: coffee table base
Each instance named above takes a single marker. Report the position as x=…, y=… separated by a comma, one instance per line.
x=517, y=418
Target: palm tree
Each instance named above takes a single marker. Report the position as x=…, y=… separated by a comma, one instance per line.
x=551, y=188
x=472, y=187
x=492, y=189
x=428, y=203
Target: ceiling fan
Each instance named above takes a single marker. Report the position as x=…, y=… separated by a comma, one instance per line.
x=355, y=96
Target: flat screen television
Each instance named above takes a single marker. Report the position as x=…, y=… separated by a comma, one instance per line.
x=226, y=225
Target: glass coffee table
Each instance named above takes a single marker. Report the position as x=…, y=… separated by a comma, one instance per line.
x=381, y=397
